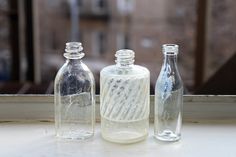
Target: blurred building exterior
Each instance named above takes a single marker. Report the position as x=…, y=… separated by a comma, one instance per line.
x=105, y=26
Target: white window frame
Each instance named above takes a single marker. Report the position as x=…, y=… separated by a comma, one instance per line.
x=41, y=107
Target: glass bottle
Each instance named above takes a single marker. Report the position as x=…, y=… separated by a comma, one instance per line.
x=74, y=96
x=124, y=96
x=168, y=97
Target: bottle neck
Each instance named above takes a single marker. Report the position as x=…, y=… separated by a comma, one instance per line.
x=170, y=59
x=73, y=61
x=124, y=58
x=170, y=65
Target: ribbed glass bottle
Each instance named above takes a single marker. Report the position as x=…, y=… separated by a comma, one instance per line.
x=124, y=96
x=168, y=97
x=74, y=96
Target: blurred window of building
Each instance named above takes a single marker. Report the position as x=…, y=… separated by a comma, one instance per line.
x=5, y=49
x=80, y=3
x=98, y=43
x=122, y=41
x=98, y=6
x=125, y=6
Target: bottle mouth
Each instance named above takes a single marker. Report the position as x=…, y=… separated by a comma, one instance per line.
x=125, y=54
x=74, y=50
x=73, y=47
x=124, y=57
x=170, y=49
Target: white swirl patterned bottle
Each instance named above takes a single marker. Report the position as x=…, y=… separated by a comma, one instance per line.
x=124, y=96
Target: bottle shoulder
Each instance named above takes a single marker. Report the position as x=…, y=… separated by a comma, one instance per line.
x=79, y=71
x=134, y=71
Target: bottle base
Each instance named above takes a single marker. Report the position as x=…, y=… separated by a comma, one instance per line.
x=76, y=135
x=125, y=137
x=124, y=132
x=167, y=136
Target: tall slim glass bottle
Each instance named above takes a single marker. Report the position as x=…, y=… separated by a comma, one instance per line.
x=74, y=96
x=168, y=97
x=124, y=100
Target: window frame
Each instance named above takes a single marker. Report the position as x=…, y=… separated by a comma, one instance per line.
x=41, y=107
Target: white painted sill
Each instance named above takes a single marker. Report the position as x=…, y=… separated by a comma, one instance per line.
x=41, y=107
x=26, y=129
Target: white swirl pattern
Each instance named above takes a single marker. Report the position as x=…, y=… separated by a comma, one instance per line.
x=124, y=99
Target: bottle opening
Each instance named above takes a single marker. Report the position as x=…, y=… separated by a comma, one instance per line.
x=170, y=49
x=73, y=47
x=74, y=50
x=125, y=53
x=125, y=57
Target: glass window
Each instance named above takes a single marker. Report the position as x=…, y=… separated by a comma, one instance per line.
x=222, y=36
x=105, y=26
x=98, y=6
x=143, y=28
x=5, y=55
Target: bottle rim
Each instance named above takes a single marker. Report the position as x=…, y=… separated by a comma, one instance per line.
x=74, y=50
x=124, y=58
x=125, y=53
x=73, y=47
x=170, y=49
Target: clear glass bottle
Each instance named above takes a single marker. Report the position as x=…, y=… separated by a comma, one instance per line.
x=74, y=96
x=124, y=96
x=168, y=97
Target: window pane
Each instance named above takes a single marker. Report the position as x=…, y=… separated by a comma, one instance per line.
x=103, y=27
x=140, y=25
x=5, y=56
x=222, y=35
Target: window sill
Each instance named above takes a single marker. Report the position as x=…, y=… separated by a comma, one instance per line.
x=41, y=107
x=37, y=139
x=26, y=129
